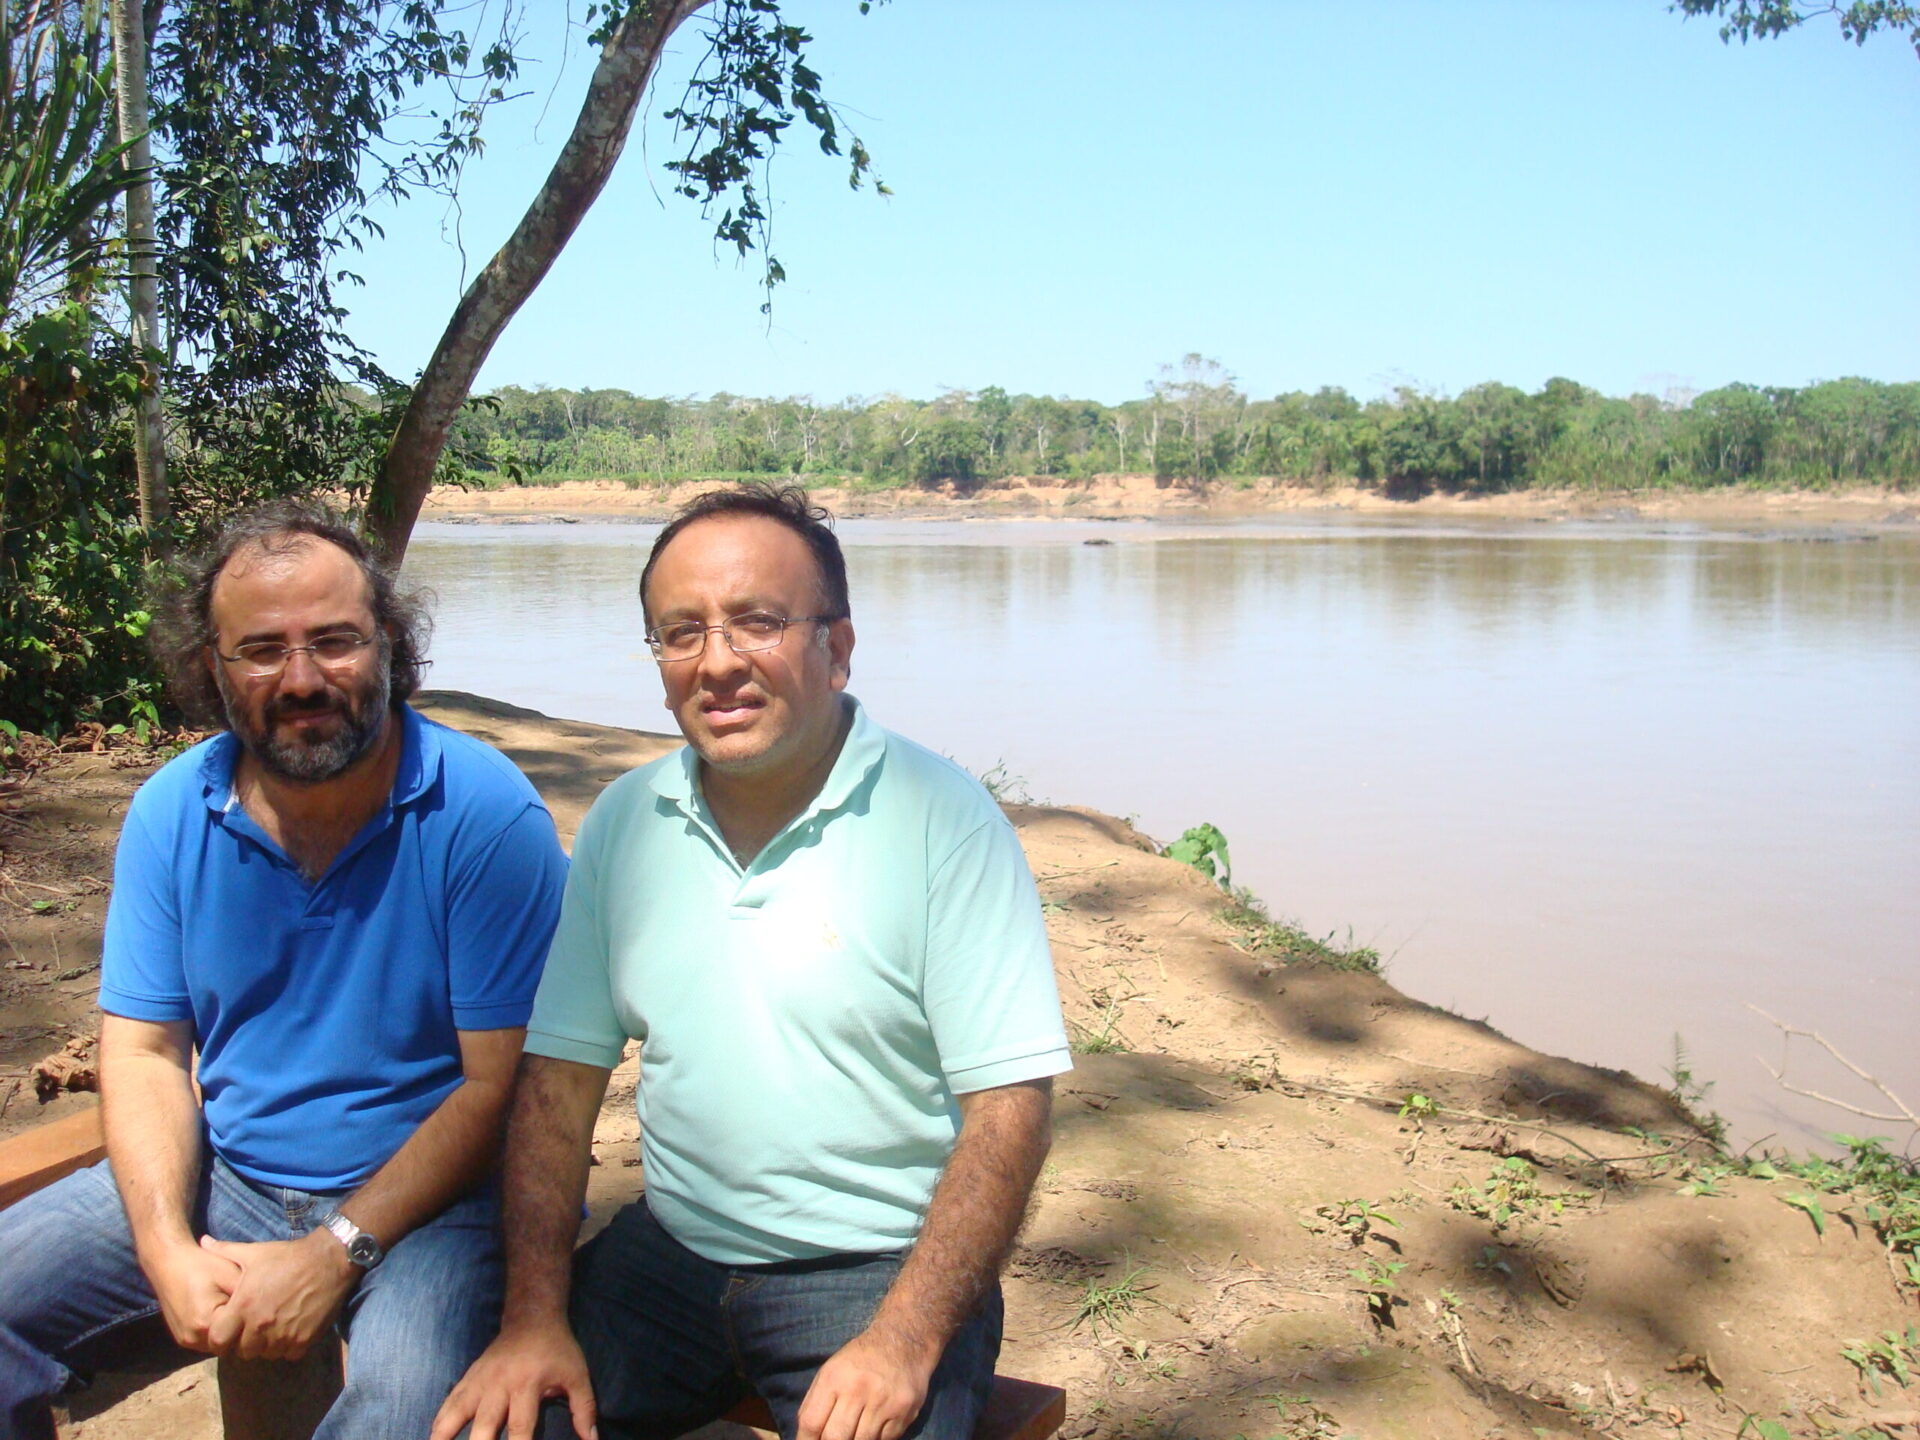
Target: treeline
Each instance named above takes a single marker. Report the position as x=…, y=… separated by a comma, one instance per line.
x=1195, y=427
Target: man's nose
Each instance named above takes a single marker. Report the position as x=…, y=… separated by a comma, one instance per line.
x=717, y=657
x=302, y=674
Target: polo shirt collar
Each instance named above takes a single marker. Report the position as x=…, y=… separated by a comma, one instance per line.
x=420, y=757
x=865, y=745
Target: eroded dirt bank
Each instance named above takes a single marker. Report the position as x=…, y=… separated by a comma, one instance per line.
x=1140, y=497
x=1239, y=1234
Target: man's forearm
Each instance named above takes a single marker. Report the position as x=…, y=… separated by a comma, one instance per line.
x=152, y=1121
x=971, y=1222
x=549, y=1150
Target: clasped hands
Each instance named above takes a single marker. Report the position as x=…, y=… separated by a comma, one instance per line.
x=262, y=1301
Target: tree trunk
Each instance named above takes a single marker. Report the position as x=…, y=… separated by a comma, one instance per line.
x=150, y=439
x=497, y=293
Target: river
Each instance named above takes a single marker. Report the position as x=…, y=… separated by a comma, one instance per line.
x=1600, y=784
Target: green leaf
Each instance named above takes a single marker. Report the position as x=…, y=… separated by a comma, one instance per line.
x=1815, y=1211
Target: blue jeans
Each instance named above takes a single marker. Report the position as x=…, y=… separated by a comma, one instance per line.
x=674, y=1340
x=414, y=1323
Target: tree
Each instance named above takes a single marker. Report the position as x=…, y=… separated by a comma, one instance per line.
x=1767, y=19
x=736, y=109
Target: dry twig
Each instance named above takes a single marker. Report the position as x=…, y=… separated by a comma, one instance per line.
x=1904, y=1113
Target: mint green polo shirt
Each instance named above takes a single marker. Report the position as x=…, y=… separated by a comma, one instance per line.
x=805, y=1022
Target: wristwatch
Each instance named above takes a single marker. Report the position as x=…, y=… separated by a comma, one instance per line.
x=362, y=1249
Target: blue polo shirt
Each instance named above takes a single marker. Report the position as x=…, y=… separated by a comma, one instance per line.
x=327, y=1014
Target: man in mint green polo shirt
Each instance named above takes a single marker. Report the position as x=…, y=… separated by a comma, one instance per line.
x=829, y=945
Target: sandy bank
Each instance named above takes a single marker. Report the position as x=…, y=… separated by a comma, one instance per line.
x=1239, y=1234
x=1137, y=496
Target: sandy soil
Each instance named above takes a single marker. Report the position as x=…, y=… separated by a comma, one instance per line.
x=1197, y=1263
x=1138, y=496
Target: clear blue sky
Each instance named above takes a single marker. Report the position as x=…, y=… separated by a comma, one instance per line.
x=1358, y=194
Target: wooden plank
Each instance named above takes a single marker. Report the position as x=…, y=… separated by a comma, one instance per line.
x=1016, y=1410
x=36, y=1158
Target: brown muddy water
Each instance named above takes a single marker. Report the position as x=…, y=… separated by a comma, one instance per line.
x=1602, y=785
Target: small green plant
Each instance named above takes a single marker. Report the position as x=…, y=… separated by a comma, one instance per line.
x=1376, y=1279
x=1418, y=1107
x=1510, y=1192
x=1891, y=1354
x=1205, y=849
x=1765, y=1429
x=1109, y=1304
x=1003, y=785
x=1288, y=944
x=1104, y=1038
x=1356, y=1218
x=1690, y=1093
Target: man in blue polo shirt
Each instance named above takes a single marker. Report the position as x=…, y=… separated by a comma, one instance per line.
x=342, y=908
x=828, y=943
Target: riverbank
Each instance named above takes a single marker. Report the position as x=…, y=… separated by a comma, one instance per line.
x=1285, y=1200
x=1140, y=497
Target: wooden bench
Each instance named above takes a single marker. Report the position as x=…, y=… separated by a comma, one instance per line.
x=285, y=1400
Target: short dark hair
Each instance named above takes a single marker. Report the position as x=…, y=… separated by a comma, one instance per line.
x=183, y=606
x=787, y=505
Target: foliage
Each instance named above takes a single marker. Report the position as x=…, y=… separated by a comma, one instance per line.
x=1885, y=1185
x=1766, y=19
x=1690, y=1093
x=1510, y=1192
x=1891, y=1353
x=745, y=93
x=1288, y=944
x=1490, y=438
x=1205, y=849
x=72, y=555
x=60, y=166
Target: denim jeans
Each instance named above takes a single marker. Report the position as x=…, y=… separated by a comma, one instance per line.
x=674, y=1340
x=414, y=1323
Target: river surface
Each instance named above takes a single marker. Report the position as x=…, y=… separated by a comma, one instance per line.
x=1601, y=785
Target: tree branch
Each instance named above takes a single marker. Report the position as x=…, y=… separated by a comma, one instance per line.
x=584, y=165
x=1904, y=1113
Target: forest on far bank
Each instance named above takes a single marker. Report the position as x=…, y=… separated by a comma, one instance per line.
x=1195, y=427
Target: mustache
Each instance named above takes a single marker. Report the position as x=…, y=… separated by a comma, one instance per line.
x=297, y=707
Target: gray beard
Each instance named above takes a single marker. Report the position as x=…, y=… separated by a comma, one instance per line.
x=313, y=763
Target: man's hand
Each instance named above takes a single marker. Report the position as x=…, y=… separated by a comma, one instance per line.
x=288, y=1293
x=502, y=1391
x=192, y=1285
x=870, y=1389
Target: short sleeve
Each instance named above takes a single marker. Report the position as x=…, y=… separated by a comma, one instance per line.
x=573, y=1015
x=142, y=962
x=989, y=988
x=501, y=909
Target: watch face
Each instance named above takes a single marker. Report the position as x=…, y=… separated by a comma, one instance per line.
x=363, y=1249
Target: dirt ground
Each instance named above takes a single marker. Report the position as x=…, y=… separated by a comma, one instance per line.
x=1239, y=1235
x=1141, y=497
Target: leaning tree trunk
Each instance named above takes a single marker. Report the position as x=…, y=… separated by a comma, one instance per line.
x=130, y=75
x=498, y=292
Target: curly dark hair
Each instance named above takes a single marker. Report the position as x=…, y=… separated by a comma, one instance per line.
x=183, y=623
x=788, y=505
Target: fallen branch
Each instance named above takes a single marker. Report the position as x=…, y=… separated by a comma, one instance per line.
x=1904, y=1113
x=1062, y=874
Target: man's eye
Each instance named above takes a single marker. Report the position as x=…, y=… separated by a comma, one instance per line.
x=336, y=647
x=266, y=652
x=676, y=636
x=757, y=625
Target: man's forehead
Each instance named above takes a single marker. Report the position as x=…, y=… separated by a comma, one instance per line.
x=745, y=553
x=290, y=568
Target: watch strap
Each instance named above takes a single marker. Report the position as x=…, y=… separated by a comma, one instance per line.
x=362, y=1248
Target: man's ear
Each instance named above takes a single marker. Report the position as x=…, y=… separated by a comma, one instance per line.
x=840, y=652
